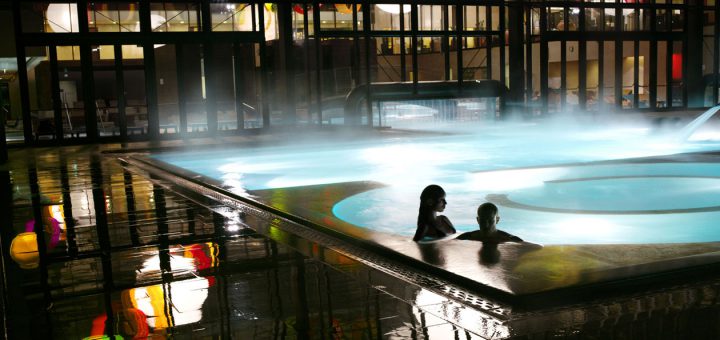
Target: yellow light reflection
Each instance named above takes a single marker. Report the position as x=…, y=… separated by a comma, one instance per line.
x=180, y=302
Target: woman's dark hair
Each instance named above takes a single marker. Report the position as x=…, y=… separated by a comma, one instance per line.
x=486, y=213
x=429, y=198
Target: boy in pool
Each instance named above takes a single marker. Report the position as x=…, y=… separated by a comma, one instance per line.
x=488, y=218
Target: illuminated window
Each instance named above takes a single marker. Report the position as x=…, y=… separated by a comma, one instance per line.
x=228, y=17
x=113, y=17
x=174, y=17
x=49, y=17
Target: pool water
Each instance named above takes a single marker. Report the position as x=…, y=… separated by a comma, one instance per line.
x=554, y=185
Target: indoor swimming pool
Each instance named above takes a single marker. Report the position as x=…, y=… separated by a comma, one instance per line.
x=554, y=184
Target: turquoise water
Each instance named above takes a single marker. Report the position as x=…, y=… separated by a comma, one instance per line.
x=549, y=182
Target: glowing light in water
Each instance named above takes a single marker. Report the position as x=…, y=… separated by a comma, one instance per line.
x=513, y=179
x=586, y=228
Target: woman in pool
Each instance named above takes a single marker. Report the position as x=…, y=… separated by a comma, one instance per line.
x=430, y=225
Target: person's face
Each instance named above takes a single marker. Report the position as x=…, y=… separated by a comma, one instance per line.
x=496, y=219
x=441, y=203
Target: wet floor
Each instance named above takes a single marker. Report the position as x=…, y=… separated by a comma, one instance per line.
x=127, y=255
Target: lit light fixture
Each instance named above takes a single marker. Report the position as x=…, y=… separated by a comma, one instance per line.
x=394, y=9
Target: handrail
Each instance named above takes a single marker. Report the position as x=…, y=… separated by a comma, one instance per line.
x=421, y=90
x=247, y=107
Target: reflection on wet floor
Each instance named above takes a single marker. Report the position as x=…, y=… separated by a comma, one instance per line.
x=124, y=255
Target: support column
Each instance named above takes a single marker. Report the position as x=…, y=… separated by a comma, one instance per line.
x=695, y=86
x=516, y=63
x=285, y=71
x=153, y=114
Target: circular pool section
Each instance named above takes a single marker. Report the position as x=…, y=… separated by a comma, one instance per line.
x=587, y=204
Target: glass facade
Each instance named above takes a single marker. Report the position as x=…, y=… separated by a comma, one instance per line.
x=133, y=69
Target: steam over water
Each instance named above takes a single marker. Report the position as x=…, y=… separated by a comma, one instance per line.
x=551, y=182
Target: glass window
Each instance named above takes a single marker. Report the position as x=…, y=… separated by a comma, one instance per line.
x=535, y=21
x=555, y=19
x=249, y=83
x=113, y=17
x=572, y=100
x=135, y=104
x=709, y=18
x=430, y=17
x=644, y=19
x=628, y=74
x=49, y=17
x=608, y=73
x=677, y=74
x=339, y=77
x=592, y=75
x=298, y=20
x=233, y=17
x=593, y=19
x=475, y=58
x=452, y=23
x=629, y=19
x=270, y=26
x=41, y=94
x=609, y=19
x=495, y=19
x=225, y=86
x=338, y=17
x=554, y=80
x=452, y=47
x=168, y=82
x=431, y=58
x=105, y=90
x=71, y=91
x=388, y=60
x=174, y=17
x=677, y=20
x=68, y=53
x=644, y=73
x=661, y=23
x=662, y=60
x=386, y=17
x=475, y=18
x=573, y=18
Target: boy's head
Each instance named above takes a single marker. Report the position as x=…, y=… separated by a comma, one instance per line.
x=487, y=216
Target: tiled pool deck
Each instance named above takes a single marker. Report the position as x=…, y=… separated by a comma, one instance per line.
x=225, y=269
